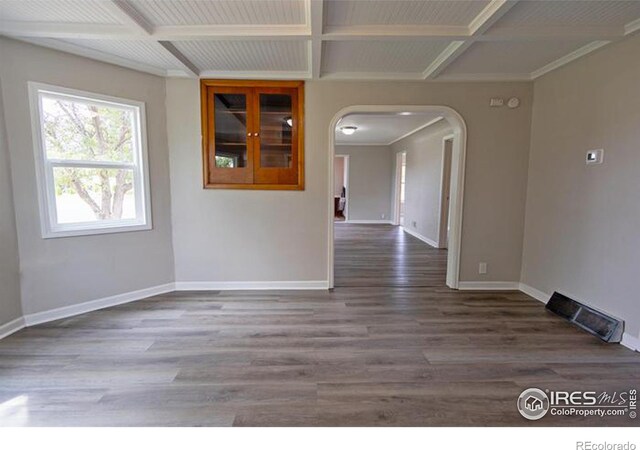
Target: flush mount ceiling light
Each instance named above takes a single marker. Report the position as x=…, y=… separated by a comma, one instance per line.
x=348, y=130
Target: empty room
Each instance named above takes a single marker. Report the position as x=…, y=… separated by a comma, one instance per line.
x=308, y=213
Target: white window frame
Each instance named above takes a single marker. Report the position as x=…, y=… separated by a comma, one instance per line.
x=44, y=166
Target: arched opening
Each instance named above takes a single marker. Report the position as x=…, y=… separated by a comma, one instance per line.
x=458, y=154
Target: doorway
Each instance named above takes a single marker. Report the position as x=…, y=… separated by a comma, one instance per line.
x=456, y=192
x=400, y=180
x=341, y=188
x=445, y=192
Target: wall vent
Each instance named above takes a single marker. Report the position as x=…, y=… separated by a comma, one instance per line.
x=607, y=328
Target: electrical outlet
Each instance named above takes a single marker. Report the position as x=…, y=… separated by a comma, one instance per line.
x=482, y=268
x=414, y=224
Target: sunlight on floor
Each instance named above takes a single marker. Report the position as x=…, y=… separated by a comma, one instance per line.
x=14, y=412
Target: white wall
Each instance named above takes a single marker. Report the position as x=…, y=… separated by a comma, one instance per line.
x=66, y=271
x=10, y=307
x=369, y=181
x=423, y=178
x=582, y=223
x=234, y=235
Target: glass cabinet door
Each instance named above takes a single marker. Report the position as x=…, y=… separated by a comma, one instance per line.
x=276, y=156
x=230, y=146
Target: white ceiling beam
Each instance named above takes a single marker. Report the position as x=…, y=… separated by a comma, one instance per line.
x=231, y=32
x=551, y=32
x=139, y=25
x=483, y=21
x=394, y=32
x=315, y=20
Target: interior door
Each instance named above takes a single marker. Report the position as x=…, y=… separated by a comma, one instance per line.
x=229, y=134
x=276, y=156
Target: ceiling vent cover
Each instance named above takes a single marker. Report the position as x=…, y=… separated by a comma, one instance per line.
x=606, y=327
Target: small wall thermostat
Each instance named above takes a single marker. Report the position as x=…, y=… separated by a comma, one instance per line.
x=595, y=156
x=513, y=102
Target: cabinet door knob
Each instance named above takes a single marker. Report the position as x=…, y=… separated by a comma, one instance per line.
x=248, y=134
x=255, y=134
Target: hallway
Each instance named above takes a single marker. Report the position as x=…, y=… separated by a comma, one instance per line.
x=384, y=255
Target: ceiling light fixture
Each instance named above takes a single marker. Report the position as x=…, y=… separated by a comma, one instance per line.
x=348, y=130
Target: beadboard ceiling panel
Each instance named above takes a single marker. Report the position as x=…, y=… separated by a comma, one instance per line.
x=380, y=56
x=222, y=12
x=145, y=52
x=68, y=11
x=572, y=13
x=245, y=55
x=510, y=57
x=334, y=39
x=402, y=12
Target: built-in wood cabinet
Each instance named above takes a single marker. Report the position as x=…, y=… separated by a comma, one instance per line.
x=253, y=134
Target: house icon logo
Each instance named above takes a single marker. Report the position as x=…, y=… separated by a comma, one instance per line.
x=533, y=404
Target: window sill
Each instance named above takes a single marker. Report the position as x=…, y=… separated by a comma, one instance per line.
x=71, y=232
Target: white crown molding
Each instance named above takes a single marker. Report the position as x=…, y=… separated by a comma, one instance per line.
x=250, y=285
x=11, y=327
x=417, y=235
x=257, y=75
x=582, y=51
x=421, y=127
x=93, y=305
x=488, y=285
x=632, y=27
x=372, y=76
x=485, y=77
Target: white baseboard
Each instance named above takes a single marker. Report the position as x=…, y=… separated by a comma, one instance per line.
x=631, y=342
x=379, y=222
x=421, y=237
x=250, y=285
x=535, y=293
x=489, y=286
x=93, y=305
x=11, y=327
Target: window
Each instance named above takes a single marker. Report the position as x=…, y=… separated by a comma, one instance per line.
x=91, y=162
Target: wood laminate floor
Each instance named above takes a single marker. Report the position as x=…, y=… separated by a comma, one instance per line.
x=384, y=255
x=381, y=356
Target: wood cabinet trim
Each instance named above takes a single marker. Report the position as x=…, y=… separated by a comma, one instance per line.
x=253, y=125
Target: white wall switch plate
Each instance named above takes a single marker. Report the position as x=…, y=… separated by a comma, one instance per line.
x=482, y=268
x=595, y=156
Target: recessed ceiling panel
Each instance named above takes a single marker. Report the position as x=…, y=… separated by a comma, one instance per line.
x=222, y=12
x=246, y=55
x=402, y=12
x=510, y=57
x=380, y=129
x=380, y=56
x=67, y=11
x=145, y=52
x=571, y=13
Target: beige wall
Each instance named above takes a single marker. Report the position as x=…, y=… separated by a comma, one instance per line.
x=370, y=173
x=582, y=222
x=10, y=307
x=227, y=235
x=66, y=271
x=423, y=178
x=338, y=176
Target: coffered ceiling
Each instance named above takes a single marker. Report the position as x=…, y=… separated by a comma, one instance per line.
x=330, y=39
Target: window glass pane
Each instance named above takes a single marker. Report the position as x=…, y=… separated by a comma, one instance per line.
x=84, y=131
x=231, y=130
x=93, y=195
x=275, y=130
